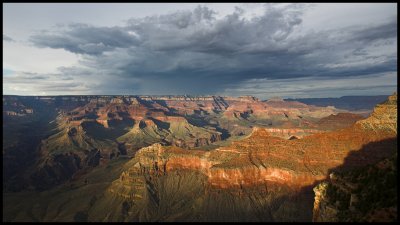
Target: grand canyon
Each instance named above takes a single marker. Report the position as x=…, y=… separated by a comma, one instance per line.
x=200, y=112
x=193, y=158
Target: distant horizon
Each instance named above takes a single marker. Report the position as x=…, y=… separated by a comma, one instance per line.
x=198, y=96
x=268, y=97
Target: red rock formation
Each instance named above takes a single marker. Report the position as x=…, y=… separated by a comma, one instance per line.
x=263, y=158
x=341, y=120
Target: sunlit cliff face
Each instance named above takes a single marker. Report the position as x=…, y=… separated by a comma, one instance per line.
x=263, y=158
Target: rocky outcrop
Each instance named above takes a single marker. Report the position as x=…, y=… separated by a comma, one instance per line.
x=365, y=195
x=176, y=131
x=322, y=212
x=384, y=117
x=131, y=185
x=356, y=195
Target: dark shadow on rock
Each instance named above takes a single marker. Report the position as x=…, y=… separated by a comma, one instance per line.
x=117, y=128
x=369, y=154
x=161, y=124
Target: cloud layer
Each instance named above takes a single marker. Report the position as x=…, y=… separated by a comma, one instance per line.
x=7, y=38
x=195, y=52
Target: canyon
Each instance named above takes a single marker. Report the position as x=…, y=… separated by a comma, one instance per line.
x=186, y=158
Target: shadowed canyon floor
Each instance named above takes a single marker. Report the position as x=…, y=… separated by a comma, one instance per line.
x=174, y=158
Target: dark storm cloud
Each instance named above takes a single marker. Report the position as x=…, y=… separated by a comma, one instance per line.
x=384, y=31
x=7, y=38
x=194, y=52
x=200, y=31
x=85, y=39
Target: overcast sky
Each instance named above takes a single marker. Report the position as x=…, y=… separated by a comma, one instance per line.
x=265, y=50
